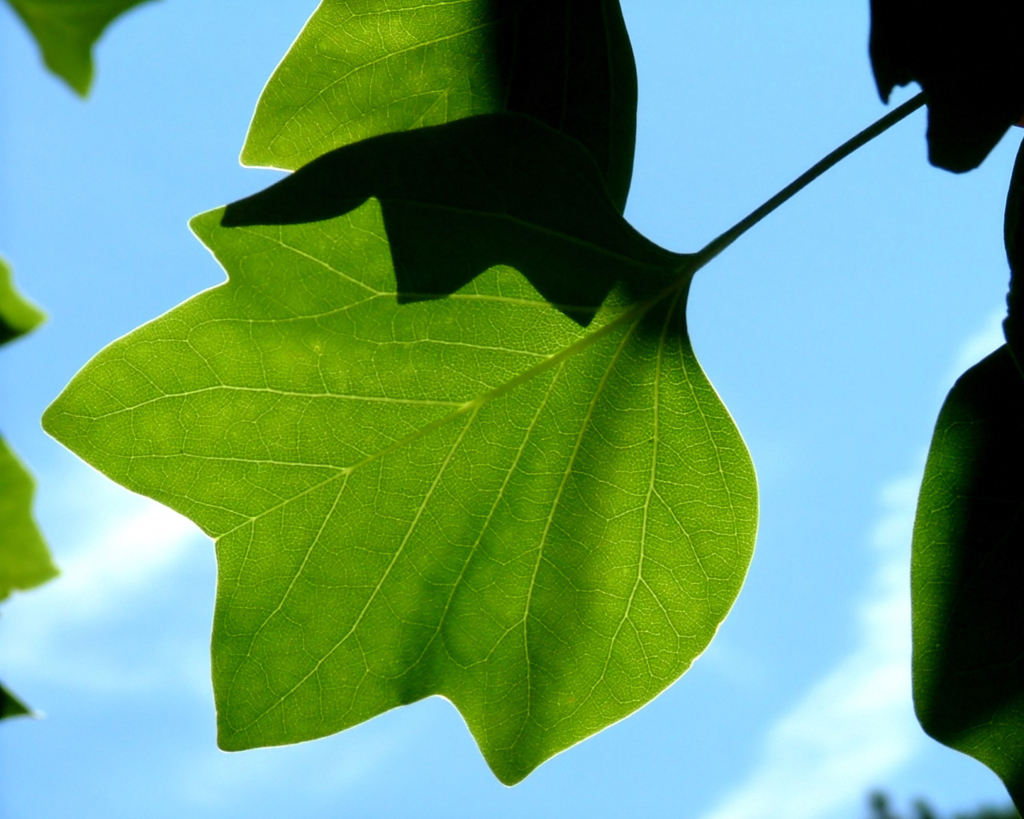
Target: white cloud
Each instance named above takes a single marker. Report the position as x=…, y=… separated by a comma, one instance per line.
x=856, y=726
x=80, y=634
x=124, y=557
x=326, y=769
x=112, y=548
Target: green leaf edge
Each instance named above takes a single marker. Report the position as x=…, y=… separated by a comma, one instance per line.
x=11, y=706
x=18, y=315
x=66, y=47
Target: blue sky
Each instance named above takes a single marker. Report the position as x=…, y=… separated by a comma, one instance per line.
x=832, y=332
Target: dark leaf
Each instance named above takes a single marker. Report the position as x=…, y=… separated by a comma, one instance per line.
x=1013, y=232
x=460, y=198
x=468, y=495
x=966, y=55
x=11, y=706
x=968, y=572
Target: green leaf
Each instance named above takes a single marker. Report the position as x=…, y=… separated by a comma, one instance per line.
x=881, y=808
x=495, y=189
x=968, y=572
x=24, y=559
x=473, y=495
x=17, y=315
x=361, y=68
x=66, y=31
x=11, y=706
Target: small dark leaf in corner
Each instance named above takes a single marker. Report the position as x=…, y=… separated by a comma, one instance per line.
x=1013, y=231
x=966, y=55
x=11, y=706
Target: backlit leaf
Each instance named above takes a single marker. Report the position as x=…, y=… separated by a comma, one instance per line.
x=541, y=512
x=968, y=568
x=66, y=31
x=24, y=559
x=361, y=68
x=968, y=573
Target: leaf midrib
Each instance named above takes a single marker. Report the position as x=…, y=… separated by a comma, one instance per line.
x=473, y=406
x=635, y=313
x=555, y=506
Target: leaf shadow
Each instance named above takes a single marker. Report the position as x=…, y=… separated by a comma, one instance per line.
x=571, y=66
x=459, y=198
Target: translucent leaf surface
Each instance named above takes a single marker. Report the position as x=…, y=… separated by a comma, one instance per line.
x=968, y=573
x=1013, y=233
x=361, y=68
x=968, y=569
x=17, y=315
x=66, y=31
x=474, y=496
x=24, y=559
x=966, y=56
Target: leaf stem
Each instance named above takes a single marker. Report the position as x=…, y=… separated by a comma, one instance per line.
x=716, y=246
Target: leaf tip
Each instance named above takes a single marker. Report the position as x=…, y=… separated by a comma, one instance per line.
x=202, y=223
x=18, y=315
x=81, y=83
x=49, y=420
x=56, y=422
x=231, y=740
x=11, y=706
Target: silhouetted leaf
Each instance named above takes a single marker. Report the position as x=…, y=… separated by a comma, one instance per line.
x=966, y=56
x=24, y=559
x=1013, y=233
x=473, y=495
x=361, y=68
x=11, y=706
x=968, y=573
x=66, y=31
x=17, y=315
